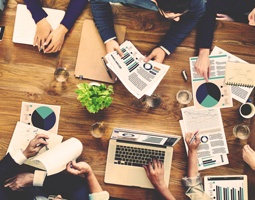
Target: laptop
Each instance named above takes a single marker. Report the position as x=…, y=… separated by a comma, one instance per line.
x=226, y=187
x=89, y=63
x=25, y=27
x=129, y=150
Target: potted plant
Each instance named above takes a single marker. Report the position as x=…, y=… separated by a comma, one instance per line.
x=94, y=96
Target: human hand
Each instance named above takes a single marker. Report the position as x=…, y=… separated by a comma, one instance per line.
x=43, y=29
x=223, y=17
x=55, y=40
x=251, y=18
x=20, y=181
x=78, y=168
x=113, y=45
x=202, y=65
x=193, y=145
x=35, y=145
x=158, y=55
x=155, y=172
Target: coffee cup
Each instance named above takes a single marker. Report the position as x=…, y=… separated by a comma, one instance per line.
x=247, y=110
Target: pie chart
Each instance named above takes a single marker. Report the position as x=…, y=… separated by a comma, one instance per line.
x=208, y=94
x=43, y=117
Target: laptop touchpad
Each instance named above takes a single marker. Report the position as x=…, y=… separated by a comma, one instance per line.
x=137, y=177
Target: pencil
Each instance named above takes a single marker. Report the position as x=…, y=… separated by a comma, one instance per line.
x=193, y=138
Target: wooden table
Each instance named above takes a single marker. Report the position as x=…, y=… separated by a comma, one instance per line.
x=27, y=75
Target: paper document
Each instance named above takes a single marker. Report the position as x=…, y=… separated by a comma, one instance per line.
x=214, y=93
x=207, y=161
x=24, y=133
x=42, y=116
x=138, y=77
x=213, y=148
x=56, y=159
x=25, y=27
x=239, y=93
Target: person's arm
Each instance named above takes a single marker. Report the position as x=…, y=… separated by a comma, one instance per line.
x=55, y=40
x=94, y=186
x=155, y=173
x=103, y=18
x=179, y=30
x=205, y=32
x=35, y=8
x=10, y=164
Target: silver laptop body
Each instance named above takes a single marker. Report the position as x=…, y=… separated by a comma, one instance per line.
x=125, y=169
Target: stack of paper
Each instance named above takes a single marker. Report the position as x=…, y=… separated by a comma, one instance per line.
x=138, y=77
x=239, y=93
x=213, y=148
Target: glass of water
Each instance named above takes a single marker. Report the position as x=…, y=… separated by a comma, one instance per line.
x=61, y=74
x=241, y=131
x=97, y=129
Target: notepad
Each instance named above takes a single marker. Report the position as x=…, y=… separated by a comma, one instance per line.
x=25, y=27
x=240, y=74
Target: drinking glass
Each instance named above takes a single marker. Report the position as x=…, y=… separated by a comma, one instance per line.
x=61, y=74
x=184, y=96
x=241, y=131
x=152, y=101
x=97, y=129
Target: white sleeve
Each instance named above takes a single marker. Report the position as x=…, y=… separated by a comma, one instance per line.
x=18, y=157
x=104, y=195
x=39, y=177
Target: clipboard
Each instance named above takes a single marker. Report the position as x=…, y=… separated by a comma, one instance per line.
x=89, y=63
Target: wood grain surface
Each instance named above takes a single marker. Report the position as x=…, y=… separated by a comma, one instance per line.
x=27, y=75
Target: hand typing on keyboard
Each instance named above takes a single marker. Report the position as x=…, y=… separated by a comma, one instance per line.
x=155, y=172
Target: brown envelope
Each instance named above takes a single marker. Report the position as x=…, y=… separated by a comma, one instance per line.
x=89, y=64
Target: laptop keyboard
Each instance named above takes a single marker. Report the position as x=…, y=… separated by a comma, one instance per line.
x=134, y=156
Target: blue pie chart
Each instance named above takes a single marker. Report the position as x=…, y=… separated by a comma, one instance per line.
x=43, y=117
x=208, y=95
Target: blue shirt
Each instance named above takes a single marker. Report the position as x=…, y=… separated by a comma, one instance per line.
x=103, y=18
x=73, y=11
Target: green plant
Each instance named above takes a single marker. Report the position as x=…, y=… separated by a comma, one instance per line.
x=94, y=97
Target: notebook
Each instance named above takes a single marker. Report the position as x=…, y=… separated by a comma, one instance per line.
x=226, y=187
x=25, y=27
x=240, y=74
x=130, y=149
x=89, y=64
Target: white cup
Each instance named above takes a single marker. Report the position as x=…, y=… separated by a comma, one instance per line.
x=247, y=110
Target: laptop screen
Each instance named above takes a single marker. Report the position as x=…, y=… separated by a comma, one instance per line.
x=144, y=137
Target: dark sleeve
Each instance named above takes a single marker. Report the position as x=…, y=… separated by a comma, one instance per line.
x=103, y=18
x=206, y=26
x=74, y=10
x=8, y=168
x=179, y=30
x=35, y=7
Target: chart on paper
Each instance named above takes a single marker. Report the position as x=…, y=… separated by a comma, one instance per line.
x=226, y=188
x=214, y=93
x=42, y=116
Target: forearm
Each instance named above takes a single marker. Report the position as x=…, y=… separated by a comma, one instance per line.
x=74, y=10
x=103, y=18
x=192, y=164
x=166, y=194
x=93, y=183
x=8, y=168
x=35, y=7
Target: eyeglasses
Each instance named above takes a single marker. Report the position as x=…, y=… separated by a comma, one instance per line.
x=169, y=14
x=54, y=197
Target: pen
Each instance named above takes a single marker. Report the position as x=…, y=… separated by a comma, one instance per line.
x=193, y=138
x=184, y=75
x=46, y=146
x=108, y=71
